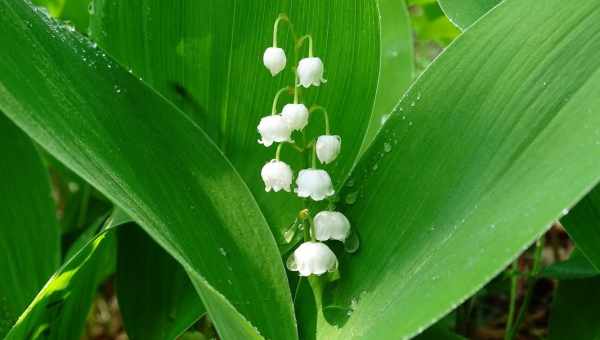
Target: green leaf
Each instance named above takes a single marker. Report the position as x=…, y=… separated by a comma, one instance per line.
x=29, y=232
x=396, y=63
x=576, y=267
x=156, y=298
x=464, y=174
x=60, y=309
x=153, y=162
x=207, y=59
x=463, y=13
x=583, y=226
x=575, y=310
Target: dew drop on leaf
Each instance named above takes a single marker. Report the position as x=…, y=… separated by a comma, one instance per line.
x=351, y=198
x=387, y=147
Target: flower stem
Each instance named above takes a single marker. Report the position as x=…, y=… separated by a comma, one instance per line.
x=282, y=17
x=514, y=280
x=278, y=151
x=310, y=44
x=314, y=156
x=326, y=115
x=276, y=100
x=531, y=280
x=313, y=235
x=296, y=88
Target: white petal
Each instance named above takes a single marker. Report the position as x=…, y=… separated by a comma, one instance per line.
x=310, y=72
x=274, y=59
x=314, y=258
x=273, y=129
x=331, y=225
x=295, y=116
x=277, y=175
x=314, y=183
x=328, y=148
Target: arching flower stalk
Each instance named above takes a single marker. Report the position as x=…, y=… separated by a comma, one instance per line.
x=313, y=185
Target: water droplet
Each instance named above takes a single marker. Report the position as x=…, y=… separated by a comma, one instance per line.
x=492, y=226
x=91, y=9
x=565, y=212
x=412, y=104
x=375, y=167
x=117, y=89
x=384, y=119
x=73, y=186
x=290, y=263
x=222, y=251
x=387, y=147
x=352, y=243
x=351, y=198
x=350, y=183
x=410, y=123
x=403, y=117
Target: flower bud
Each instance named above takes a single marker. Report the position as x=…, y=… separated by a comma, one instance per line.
x=313, y=258
x=331, y=225
x=328, y=148
x=310, y=72
x=274, y=59
x=295, y=116
x=277, y=175
x=273, y=129
x=314, y=183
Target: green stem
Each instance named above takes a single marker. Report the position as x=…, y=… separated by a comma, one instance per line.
x=282, y=17
x=531, y=280
x=514, y=280
x=296, y=88
x=276, y=100
x=278, y=151
x=310, y=44
x=312, y=229
x=326, y=115
x=314, y=156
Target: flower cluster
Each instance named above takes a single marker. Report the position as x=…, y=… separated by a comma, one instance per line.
x=313, y=257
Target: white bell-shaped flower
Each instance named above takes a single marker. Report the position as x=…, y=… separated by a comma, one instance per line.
x=274, y=59
x=295, y=116
x=310, y=72
x=331, y=225
x=277, y=175
x=273, y=129
x=328, y=148
x=314, y=183
x=313, y=258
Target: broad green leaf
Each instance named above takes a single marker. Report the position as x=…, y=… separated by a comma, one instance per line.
x=156, y=298
x=575, y=310
x=29, y=232
x=576, y=267
x=206, y=57
x=60, y=309
x=463, y=13
x=583, y=226
x=464, y=174
x=153, y=162
x=396, y=62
